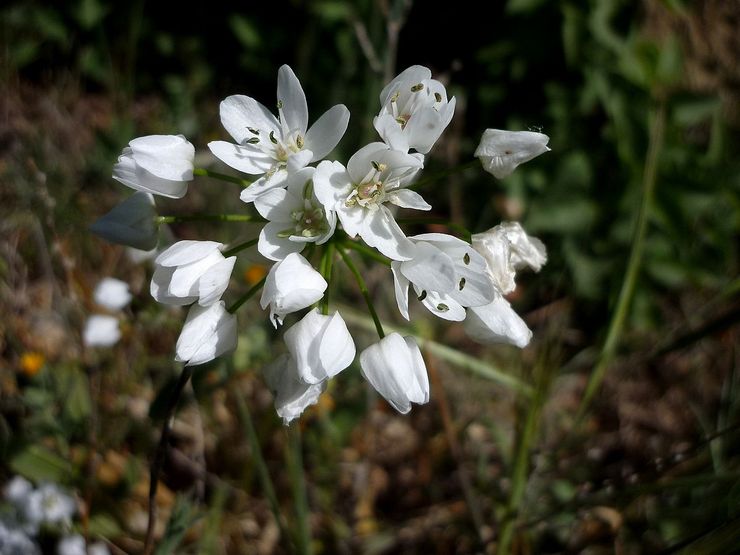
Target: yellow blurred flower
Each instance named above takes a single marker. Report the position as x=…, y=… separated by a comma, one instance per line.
x=255, y=273
x=31, y=363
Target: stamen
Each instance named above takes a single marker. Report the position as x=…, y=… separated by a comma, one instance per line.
x=438, y=97
x=272, y=138
x=462, y=283
x=466, y=259
x=422, y=296
x=443, y=307
x=417, y=87
x=253, y=131
x=299, y=141
x=253, y=141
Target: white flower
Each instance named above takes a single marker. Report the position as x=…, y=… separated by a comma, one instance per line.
x=395, y=368
x=208, y=332
x=72, y=545
x=292, y=284
x=190, y=271
x=295, y=215
x=98, y=548
x=320, y=345
x=292, y=396
x=130, y=223
x=157, y=164
x=276, y=146
x=48, y=504
x=507, y=248
x=101, y=331
x=501, y=152
x=375, y=175
x=447, y=275
x=414, y=110
x=497, y=322
x=112, y=294
x=17, y=489
x=16, y=542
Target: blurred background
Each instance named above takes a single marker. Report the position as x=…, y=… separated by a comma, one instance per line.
x=641, y=100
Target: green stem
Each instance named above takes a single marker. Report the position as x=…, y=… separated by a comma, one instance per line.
x=366, y=251
x=629, y=283
x=298, y=483
x=259, y=461
x=239, y=247
x=327, y=264
x=363, y=289
x=159, y=220
x=461, y=230
x=248, y=295
x=223, y=177
x=436, y=176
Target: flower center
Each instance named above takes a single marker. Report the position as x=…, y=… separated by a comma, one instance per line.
x=370, y=193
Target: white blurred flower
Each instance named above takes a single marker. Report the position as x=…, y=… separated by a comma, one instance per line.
x=276, y=146
x=292, y=396
x=14, y=541
x=320, y=345
x=447, y=275
x=157, y=164
x=497, y=322
x=375, y=175
x=208, y=332
x=500, y=151
x=17, y=489
x=112, y=294
x=98, y=548
x=130, y=223
x=191, y=271
x=292, y=284
x=395, y=368
x=72, y=545
x=507, y=248
x=414, y=111
x=101, y=330
x=295, y=215
x=49, y=505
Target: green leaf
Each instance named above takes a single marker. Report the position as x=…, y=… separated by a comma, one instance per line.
x=184, y=515
x=40, y=464
x=78, y=405
x=104, y=525
x=245, y=31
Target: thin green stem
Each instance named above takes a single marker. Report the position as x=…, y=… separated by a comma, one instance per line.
x=363, y=289
x=366, y=251
x=240, y=247
x=246, y=296
x=223, y=177
x=461, y=230
x=629, y=283
x=436, y=176
x=298, y=484
x=159, y=220
x=259, y=461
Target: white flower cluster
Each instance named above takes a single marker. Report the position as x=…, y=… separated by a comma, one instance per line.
x=304, y=200
x=46, y=507
x=101, y=330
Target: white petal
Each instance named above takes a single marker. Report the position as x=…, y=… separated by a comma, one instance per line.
x=443, y=306
x=101, y=331
x=298, y=160
x=337, y=350
x=411, y=75
x=391, y=133
x=526, y=251
x=165, y=156
x=291, y=95
x=277, y=205
x=502, y=151
x=160, y=286
x=331, y=183
x=401, y=289
x=186, y=252
x=496, y=250
x=430, y=269
x=360, y=163
x=292, y=284
x=273, y=247
x=214, y=281
x=497, y=323
x=380, y=230
x=132, y=175
x=352, y=218
x=247, y=158
x=208, y=332
x=130, y=223
x=292, y=396
x=186, y=278
x=423, y=129
x=327, y=131
x=263, y=184
x=112, y=294
x=406, y=198
x=239, y=113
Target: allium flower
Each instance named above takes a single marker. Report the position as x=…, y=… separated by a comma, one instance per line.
x=130, y=223
x=395, y=368
x=447, y=275
x=507, y=248
x=414, y=110
x=72, y=545
x=191, y=271
x=292, y=284
x=208, y=332
x=112, y=294
x=292, y=396
x=276, y=146
x=157, y=164
x=16, y=542
x=374, y=176
x=320, y=345
x=49, y=504
x=17, y=489
x=497, y=322
x=500, y=152
x=295, y=215
x=101, y=331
